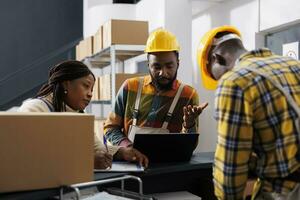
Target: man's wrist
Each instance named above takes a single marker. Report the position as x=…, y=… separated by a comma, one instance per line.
x=125, y=143
x=119, y=154
x=189, y=126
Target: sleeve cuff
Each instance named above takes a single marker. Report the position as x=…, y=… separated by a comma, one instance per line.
x=99, y=146
x=190, y=129
x=125, y=143
x=112, y=149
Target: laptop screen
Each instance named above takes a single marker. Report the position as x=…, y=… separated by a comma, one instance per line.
x=169, y=147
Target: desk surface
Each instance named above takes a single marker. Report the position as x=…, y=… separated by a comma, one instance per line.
x=199, y=161
x=194, y=176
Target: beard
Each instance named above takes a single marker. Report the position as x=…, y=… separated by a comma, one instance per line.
x=160, y=86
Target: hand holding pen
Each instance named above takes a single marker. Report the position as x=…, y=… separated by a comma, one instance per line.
x=105, y=143
x=103, y=159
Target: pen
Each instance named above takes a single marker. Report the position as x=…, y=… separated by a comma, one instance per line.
x=105, y=142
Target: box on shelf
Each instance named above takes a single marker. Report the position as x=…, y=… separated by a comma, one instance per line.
x=45, y=150
x=88, y=46
x=97, y=42
x=124, y=32
x=98, y=127
x=78, y=53
x=96, y=90
x=105, y=84
x=105, y=87
x=84, y=48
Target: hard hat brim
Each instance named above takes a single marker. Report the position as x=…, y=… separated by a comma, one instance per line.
x=202, y=54
x=161, y=50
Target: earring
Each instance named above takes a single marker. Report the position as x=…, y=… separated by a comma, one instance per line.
x=66, y=91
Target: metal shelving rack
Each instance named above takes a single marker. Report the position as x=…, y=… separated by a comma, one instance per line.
x=110, y=56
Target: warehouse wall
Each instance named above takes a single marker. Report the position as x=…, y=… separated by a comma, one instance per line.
x=178, y=19
x=275, y=13
x=95, y=13
x=34, y=35
x=152, y=11
x=252, y=18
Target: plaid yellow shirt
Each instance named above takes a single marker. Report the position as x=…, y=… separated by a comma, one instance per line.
x=152, y=109
x=254, y=116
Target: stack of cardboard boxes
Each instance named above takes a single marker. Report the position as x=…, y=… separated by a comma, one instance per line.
x=98, y=127
x=96, y=90
x=106, y=87
x=102, y=88
x=85, y=48
x=98, y=41
x=125, y=32
x=112, y=32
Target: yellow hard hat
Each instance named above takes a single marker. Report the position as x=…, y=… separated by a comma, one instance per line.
x=161, y=40
x=203, y=50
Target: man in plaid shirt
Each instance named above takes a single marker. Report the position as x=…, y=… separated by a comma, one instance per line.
x=253, y=115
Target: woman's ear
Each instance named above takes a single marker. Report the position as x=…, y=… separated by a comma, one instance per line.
x=66, y=85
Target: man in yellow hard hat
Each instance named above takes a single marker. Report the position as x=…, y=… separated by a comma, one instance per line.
x=157, y=103
x=257, y=110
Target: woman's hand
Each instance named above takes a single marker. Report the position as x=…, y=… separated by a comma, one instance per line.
x=102, y=160
x=133, y=155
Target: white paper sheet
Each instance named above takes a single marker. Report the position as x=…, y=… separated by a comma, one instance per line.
x=181, y=195
x=106, y=196
x=122, y=167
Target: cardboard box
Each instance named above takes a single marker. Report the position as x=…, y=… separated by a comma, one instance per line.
x=98, y=127
x=105, y=87
x=78, y=54
x=84, y=48
x=96, y=90
x=45, y=150
x=105, y=84
x=124, y=32
x=87, y=47
x=97, y=41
